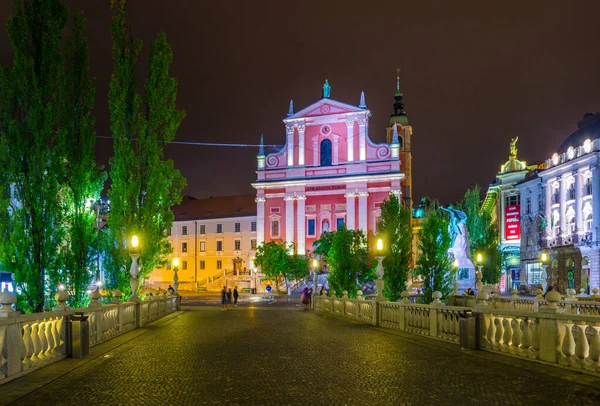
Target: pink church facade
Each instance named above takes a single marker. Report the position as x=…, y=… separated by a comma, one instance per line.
x=327, y=174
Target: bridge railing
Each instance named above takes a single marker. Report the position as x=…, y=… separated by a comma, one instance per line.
x=31, y=341
x=560, y=332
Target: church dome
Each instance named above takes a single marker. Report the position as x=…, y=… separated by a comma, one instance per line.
x=589, y=128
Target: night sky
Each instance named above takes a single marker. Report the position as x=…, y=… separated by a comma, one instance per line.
x=473, y=76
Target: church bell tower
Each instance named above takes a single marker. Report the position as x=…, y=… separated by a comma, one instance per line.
x=399, y=120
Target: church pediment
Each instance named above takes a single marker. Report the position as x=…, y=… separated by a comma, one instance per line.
x=325, y=107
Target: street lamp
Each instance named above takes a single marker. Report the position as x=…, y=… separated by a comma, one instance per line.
x=379, y=281
x=175, y=276
x=545, y=277
x=315, y=285
x=479, y=275
x=135, y=269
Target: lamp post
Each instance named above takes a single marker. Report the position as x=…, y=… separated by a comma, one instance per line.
x=315, y=285
x=135, y=269
x=379, y=281
x=479, y=275
x=545, y=277
x=175, y=276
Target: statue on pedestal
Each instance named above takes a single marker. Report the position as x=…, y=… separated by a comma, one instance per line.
x=459, y=249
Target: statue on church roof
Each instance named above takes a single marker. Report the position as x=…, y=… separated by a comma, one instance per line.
x=326, y=90
x=513, y=147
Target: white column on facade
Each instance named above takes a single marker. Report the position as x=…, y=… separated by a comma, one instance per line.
x=336, y=147
x=260, y=220
x=563, y=184
x=301, y=220
x=289, y=131
x=548, y=186
x=350, y=138
x=502, y=215
x=289, y=219
x=301, y=128
x=362, y=211
x=595, y=202
x=362, y=126
x=578, y=202
x=350, y=214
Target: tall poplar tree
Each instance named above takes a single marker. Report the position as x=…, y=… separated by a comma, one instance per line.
x=433, y=263
x=349, y=263
x=144, y=186
x=396, y=231
x=30, y=221
x=84, y=181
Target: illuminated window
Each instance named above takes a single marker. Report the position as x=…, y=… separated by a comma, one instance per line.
x=219, y=245
x=253, y=244
x=219, y=264
x=534, y=273
x=238, y=245
x=202, y=246
x=202, y=265
x=202, y=229
x=340, y=222
x=184, y=265
x=253, y=226
x=311, y=227
x=184, y=247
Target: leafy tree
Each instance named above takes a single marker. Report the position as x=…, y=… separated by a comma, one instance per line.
x=433, y=264
x=83, y=179
x=275, y=261
x=483, y=234
x=396, y=231
x=349, y=262
x=144, y=186
x=323, y=244
x=31, y=220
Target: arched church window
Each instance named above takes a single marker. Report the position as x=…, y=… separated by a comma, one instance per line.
x=326, y=152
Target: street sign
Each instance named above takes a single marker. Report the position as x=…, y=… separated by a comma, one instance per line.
x=268, y=288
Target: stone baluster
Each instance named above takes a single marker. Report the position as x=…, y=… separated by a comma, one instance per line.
x=595, y=294
x=499, y=343
x=582, y=348
x=595, y=347
x=491, y=332
x=50, y=344
x=359, y=295
x=405, y=295
x=344, y=294
x=508, y=333
x=35, y=339
x=95, y=297
x=28, y=346
x=437, y=295
x=517, y=336
x=535, y=339
x=526, y=338
x=568, y=344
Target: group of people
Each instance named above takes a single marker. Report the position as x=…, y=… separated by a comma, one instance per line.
x=469, y=292
x=226, y=296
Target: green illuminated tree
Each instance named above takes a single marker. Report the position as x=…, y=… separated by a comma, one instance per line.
x=144, y=186
x=433, y=263
x=396, y=232
x=483, y=234
x=275, y=261
x=31, y=222
x=83, y=181
x=349, y=262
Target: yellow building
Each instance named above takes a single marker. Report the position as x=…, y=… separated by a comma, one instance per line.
x=212, y=238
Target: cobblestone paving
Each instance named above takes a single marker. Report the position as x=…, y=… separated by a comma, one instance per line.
x=281, y=355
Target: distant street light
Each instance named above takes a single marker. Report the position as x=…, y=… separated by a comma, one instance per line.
x=379, y=281
x=545, y=276
x=479, y=275
x=175, y=276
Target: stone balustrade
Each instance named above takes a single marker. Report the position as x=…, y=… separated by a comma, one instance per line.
x=560, y=332
x=32, y=341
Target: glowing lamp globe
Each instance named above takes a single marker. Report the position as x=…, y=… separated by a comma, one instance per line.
x=479, y=258
x=176, y=262
x=544, y=257
x=135, y=241
x=61, y=287
x=379, y=244
x=456, y=263
x=314, y=263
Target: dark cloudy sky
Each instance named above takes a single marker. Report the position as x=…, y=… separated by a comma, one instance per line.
x=474, y=74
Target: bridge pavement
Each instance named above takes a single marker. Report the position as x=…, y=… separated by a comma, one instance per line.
x=277, y=354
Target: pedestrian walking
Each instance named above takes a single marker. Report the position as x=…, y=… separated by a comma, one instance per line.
x=229, y=294
x=235, y=296
x=171, y=290
x=304, y=299
x=224, y=298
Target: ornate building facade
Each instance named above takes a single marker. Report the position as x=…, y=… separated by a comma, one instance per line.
x=561, y=215
x=330, y=173
x=503, y=201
